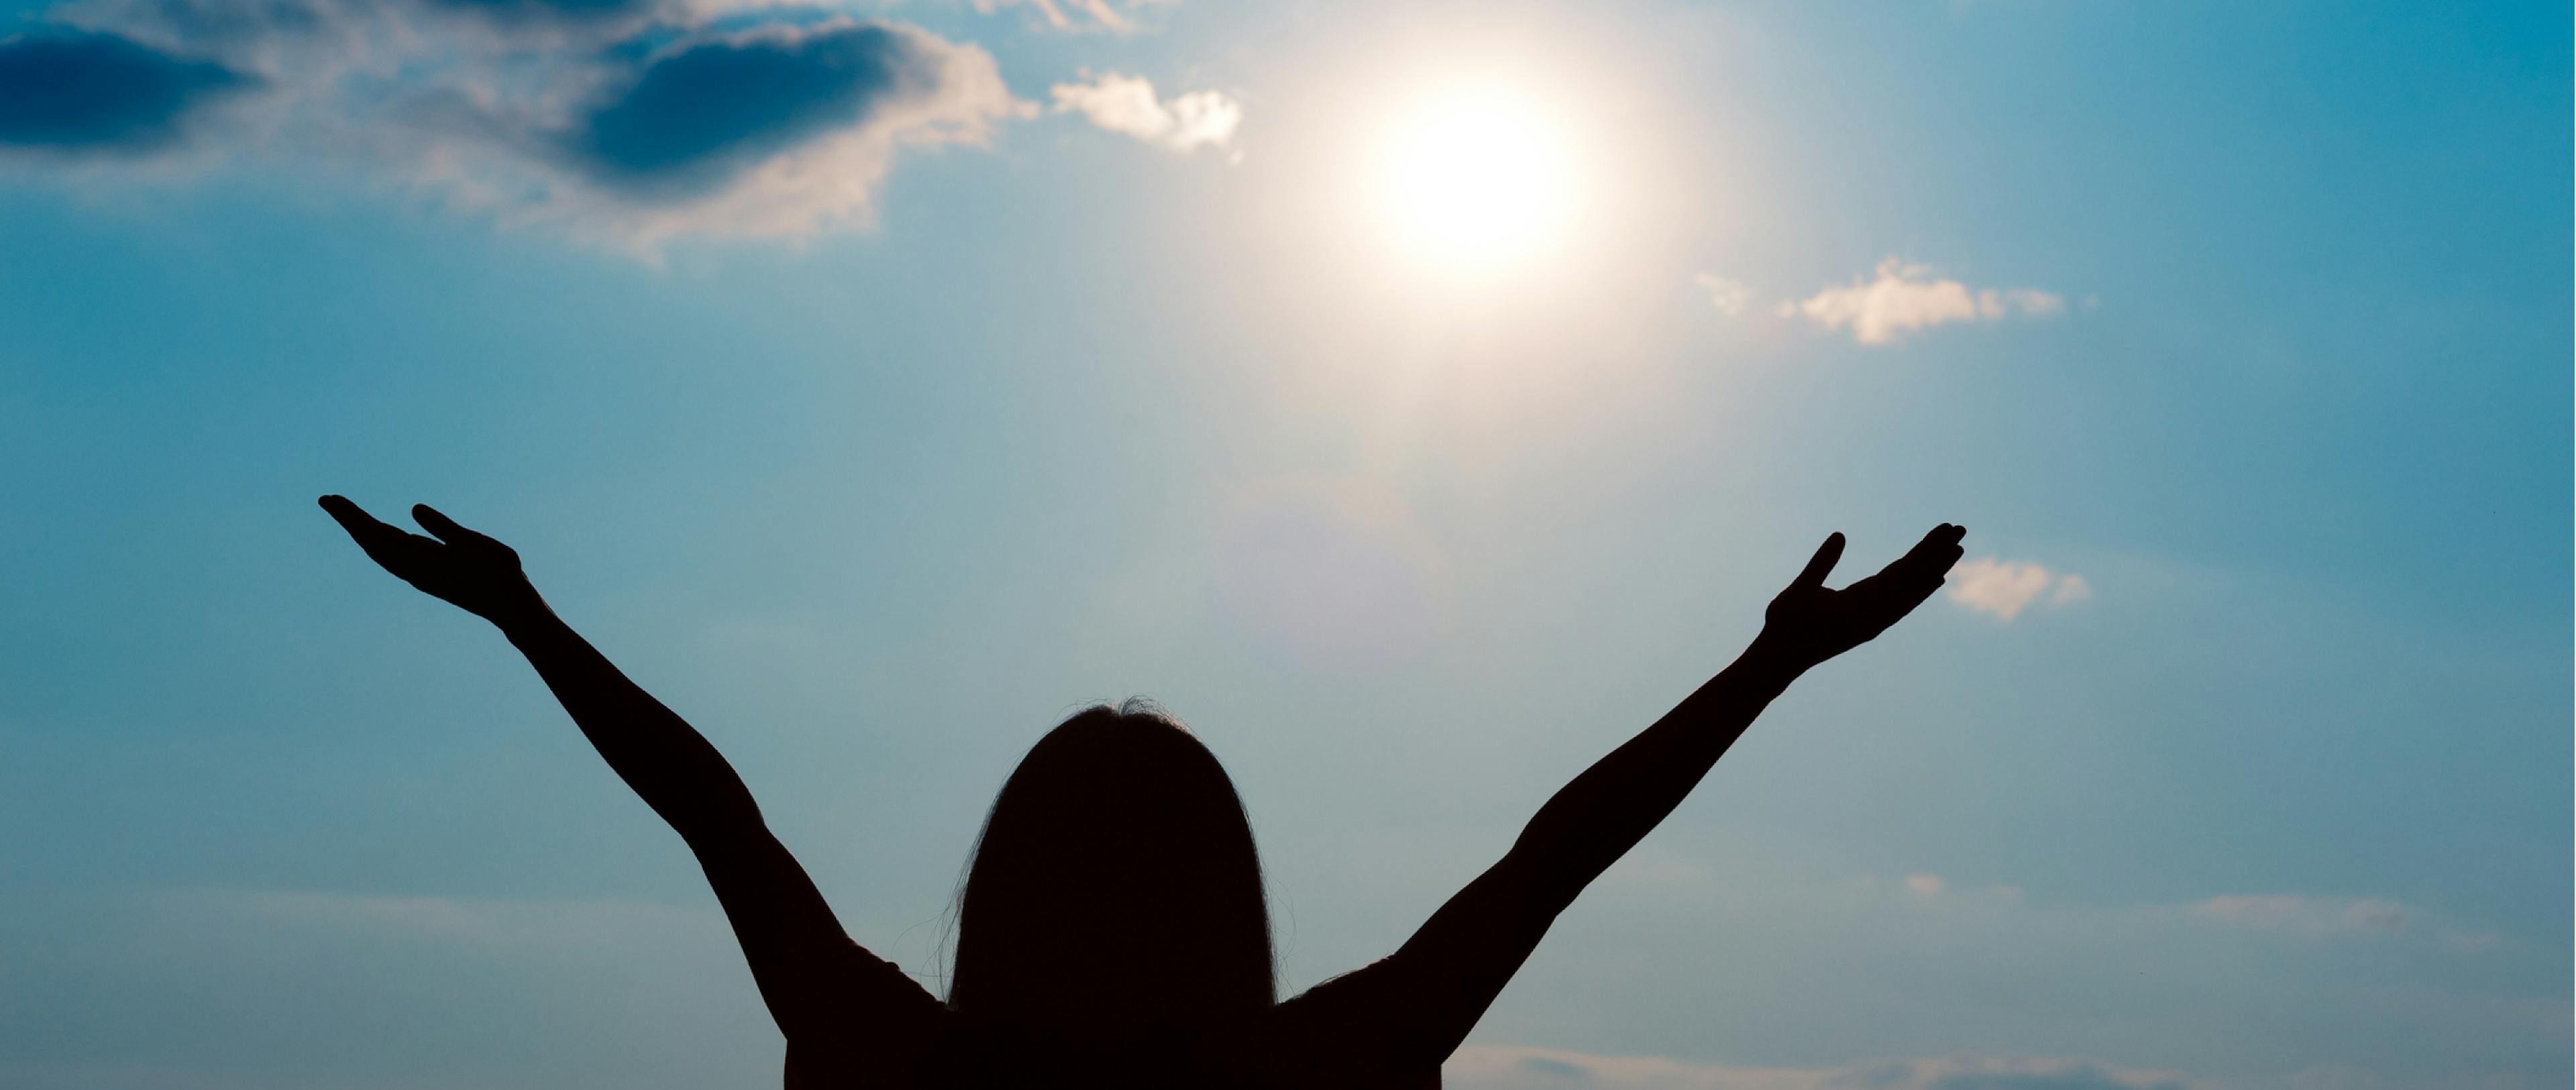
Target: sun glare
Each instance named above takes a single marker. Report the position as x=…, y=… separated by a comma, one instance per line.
x=1474, y=179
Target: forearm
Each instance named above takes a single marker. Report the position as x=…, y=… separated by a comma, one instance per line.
x=1452, y=968
x=1594, y=820
x=1443, y=978
x=665, y=760
x=800, y=958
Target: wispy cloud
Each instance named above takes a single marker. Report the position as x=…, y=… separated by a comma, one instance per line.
x=1727, y=296
x=1080, y=15
x=2286, y=914
x=2310, y=915
x=2006, y=587
x=1899, y=299
x=513, y=927
x=2331, y=917
x=1515, y=1067
x=1127, y=104
x=1508, y=1067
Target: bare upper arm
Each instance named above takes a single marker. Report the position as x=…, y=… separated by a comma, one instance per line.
x=818, y=984
x=1416, y=1005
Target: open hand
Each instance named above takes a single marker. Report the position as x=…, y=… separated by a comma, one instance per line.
x=1809, y=623
x=464, y=568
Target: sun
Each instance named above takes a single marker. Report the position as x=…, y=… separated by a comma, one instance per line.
x=1474, y=178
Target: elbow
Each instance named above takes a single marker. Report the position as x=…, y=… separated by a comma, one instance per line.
x=728, y=821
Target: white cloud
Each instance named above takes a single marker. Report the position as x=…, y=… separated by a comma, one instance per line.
x=1900, y=299
x=1126, y=104
x=2006, y=587
x=1933, y=885
x=1729, y=297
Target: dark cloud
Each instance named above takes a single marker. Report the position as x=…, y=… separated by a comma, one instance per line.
x=80, y=90
x=694, y=116
x=769, y=124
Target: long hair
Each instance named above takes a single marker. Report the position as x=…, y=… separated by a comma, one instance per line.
x=1115, y=888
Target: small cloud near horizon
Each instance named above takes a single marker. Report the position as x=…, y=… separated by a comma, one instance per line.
x=2004, y=588
x=1127, y=104
x=1900, y=299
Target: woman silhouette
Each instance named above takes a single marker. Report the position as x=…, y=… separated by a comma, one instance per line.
x=1112, y=931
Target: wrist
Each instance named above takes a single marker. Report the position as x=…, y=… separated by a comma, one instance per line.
x=524, y=618
x=1767, y=658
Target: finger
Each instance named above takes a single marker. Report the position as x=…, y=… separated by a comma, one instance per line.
x=1905, y=584
x=445, y=528
x=1941, y=537
x=389, y=546
x=1822, y=563
x=354, y=519
x=1916, y=558
x=1947, y=554
x=1901, y=605
x=1933, y=555
x=341, y=509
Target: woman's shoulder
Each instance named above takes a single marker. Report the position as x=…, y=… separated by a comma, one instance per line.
x=1354, y=1001
x=894, y=1030
x=1341, y=1033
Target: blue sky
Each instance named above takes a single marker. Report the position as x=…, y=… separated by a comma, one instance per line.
x=878, y=384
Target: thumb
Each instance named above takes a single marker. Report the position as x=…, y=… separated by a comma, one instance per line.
x=445, y=528
x=1821, y=564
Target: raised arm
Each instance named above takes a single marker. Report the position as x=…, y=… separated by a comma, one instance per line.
x=1433, y=989
x=817, y=983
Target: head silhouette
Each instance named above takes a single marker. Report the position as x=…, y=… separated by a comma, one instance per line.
x=1115, y=888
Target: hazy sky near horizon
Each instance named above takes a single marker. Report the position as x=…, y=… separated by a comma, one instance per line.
x=1416, y=398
